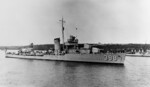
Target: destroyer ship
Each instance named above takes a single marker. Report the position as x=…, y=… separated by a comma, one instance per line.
x=70, y=51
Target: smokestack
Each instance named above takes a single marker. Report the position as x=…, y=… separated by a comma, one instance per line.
x=57, y=46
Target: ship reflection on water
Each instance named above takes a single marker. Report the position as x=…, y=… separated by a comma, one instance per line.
x=37, y=73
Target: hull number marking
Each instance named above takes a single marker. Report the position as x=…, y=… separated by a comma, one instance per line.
x=112, y=57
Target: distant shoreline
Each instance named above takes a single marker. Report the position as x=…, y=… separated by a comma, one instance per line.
x=126, y=47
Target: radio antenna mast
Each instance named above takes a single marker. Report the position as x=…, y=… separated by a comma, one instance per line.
x=76, y=31
x=62, y=22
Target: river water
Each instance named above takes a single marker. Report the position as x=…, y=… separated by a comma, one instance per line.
x=41, y=73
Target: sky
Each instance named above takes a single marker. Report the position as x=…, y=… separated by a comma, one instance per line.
x=106, y=21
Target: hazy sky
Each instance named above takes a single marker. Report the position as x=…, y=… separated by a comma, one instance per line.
x=105, y=21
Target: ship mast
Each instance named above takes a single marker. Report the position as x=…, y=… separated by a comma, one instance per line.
x=76, y=32
x=62, y=22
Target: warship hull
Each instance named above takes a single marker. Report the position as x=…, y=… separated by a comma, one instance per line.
x=117, y=58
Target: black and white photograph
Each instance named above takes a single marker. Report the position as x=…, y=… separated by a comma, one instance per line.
x=74, y=43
